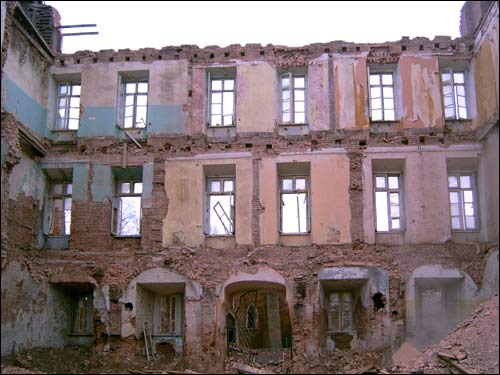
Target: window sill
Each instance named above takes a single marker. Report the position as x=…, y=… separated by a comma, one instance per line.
x=293, y=129
x=220, y=242
x=221, y=126
x=466, y=231
x=380, y=127
x=227, y=131
x=390, y=238
x=81, y=334
x=384, y=121
x=351, y=332
x=457, y=120
x=130, y=129
x=57, y=242
x=284, y=124
x=68, y=131
x=295, y=239
x=167, y=334
x=124, y=236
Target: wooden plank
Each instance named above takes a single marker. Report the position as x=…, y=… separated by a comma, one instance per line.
x=450, y=363
x=244, y=369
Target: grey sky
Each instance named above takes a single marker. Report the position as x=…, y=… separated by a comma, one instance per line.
x=157, y=24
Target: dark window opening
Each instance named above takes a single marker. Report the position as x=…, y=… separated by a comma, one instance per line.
x=378, y=301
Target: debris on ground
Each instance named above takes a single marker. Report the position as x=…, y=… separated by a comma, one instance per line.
x=471, y=348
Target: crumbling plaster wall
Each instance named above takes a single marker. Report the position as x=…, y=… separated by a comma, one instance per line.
x=185, y=190
x=193, y=310
x=421, y=92
x=351, y=92
x=25, y=320
x=488, y=172
x=375, y=280
x=329, y=197
x=425, y=201
x=117, y=261
x=485, y=62
x=434, y=276
x=167, y=95
x=24, y=82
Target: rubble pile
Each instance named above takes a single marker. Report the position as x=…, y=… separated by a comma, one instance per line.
x=472, y=347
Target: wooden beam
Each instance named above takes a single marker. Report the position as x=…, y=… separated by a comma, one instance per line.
x=244, y=369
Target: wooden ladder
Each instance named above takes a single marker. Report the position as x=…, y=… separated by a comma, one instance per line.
x=148, y=341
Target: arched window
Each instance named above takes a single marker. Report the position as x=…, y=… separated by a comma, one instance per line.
x=231, y=329
x=252, y=316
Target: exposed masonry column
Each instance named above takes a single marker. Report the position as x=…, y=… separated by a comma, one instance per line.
x=10, y=139
x=356, y=196
x=256, y=206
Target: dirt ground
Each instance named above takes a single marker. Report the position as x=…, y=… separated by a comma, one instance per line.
x=77, y=360
x=473, y=345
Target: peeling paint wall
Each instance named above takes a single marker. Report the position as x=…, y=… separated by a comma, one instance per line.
x=28, y=178
x=319, y=94
x=25, y=311
x=486, y=74
x=24, y=82
x=421, y=92
x=339, y=148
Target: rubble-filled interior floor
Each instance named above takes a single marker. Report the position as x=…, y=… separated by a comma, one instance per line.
x=472, y=346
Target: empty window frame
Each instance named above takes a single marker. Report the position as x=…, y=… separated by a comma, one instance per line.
x=68, y=106
x=126, y=217
x=135, y=106
x=454, y=94
x=463, y=207
x=294, y=197
x=382, y=97
x=252, y=316
x=81, y=315
x=222, y=101
x=388, y=207
x=340, y=312
x=169, y=313
x=57, y=220
x=220, y=206
x=293, y=98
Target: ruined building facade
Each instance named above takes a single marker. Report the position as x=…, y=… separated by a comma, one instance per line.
x=295, y=199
